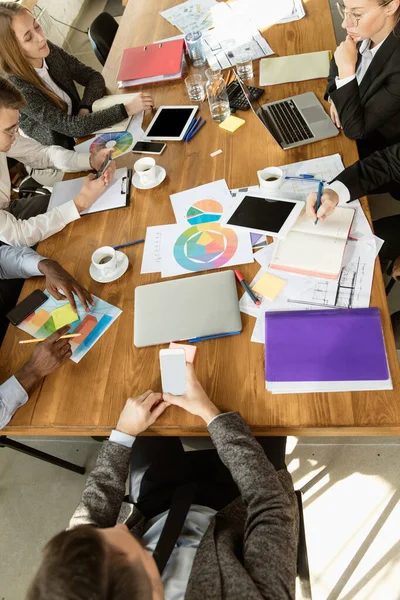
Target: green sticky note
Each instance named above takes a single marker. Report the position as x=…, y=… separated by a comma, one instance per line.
x=64, y=316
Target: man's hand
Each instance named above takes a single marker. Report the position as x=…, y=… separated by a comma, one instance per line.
x=46, y=358
x=93, y=188
x=329, y=201
x=141, y=412
x=346, y=57
x=194, y=400
x=335, y=115
x=142, y=102
x=96, y=160
x=396, y=269
x=83, y=112
x=58, y=278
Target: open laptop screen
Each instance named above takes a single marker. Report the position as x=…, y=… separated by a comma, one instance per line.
x=257, y=109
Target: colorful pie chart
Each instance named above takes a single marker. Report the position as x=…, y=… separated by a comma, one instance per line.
x=117, y=142
x=205, y=246
x=204, y=211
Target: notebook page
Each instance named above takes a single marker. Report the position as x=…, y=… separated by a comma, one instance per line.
x=309, y=254
x=337, y=225
x=300, y=67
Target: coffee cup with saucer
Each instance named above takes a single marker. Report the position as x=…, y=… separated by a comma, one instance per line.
x=108, y=264
x=147, y=174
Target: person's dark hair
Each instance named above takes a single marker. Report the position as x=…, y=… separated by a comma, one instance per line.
x=10, y=97
x=79, y=565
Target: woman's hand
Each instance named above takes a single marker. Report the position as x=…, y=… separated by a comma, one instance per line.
x=142, y=102
x=335, y=115
x=346, y=57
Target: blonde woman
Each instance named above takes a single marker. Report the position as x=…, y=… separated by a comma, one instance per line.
x=45, y=74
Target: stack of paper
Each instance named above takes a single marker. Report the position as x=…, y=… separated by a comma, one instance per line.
x=325, y=351
x=108, y=102
x=299, y=67
x=262, y=14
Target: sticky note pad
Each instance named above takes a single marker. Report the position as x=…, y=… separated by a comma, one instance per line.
x=232, y=123
x=190, y=351
x=269, y=286
x=64, y=316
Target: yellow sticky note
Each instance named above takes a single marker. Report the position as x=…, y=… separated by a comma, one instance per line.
x=64, y=316
x=232, y=123
x=269, y=286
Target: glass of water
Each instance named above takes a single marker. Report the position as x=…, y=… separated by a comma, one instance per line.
x=195, y=87
x=244, y=63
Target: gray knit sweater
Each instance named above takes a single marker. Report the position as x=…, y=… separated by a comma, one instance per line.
x=44, y=122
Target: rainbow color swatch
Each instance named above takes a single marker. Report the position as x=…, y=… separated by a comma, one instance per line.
x=91, y=325
x=117, y=142
x=206, y=245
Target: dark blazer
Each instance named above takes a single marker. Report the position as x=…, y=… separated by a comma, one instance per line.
x=370, y=113
x=44, y=122
x=373, y=173
x=249, y=550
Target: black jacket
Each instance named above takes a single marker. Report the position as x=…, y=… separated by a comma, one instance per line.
x=370, y=113
x=44, y=122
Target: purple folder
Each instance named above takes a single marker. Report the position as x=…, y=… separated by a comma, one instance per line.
x=325, y=345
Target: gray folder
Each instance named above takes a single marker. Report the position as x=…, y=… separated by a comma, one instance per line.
x=180, y=309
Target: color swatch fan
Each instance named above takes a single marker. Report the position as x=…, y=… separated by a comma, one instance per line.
x=117, y=142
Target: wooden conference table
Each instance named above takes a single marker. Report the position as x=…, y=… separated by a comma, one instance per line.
x=86, y=399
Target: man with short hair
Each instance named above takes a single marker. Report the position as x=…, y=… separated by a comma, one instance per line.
x=30, y=231
x=50, y=354
x=207, y=525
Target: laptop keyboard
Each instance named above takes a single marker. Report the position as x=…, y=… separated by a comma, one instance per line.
x=292, y=125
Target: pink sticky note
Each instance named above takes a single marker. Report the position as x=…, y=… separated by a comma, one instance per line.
x=190, y=351
x=216, y=153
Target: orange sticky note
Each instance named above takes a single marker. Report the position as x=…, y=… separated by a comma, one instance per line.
x=190, y=351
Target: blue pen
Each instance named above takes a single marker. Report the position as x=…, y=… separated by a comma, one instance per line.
x=320, y=190
x=213, y=337
x=128, y=244
x=195, y=131
x=310, y=178
x=191, y=127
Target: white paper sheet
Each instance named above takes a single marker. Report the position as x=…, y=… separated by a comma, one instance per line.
x=152, y=259
x=263, y=13
x=217, y=191
x=114, y=195
x=222, y=43
x=196, y=15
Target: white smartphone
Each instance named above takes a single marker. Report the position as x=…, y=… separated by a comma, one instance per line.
x=173, y=371
x=149, y=147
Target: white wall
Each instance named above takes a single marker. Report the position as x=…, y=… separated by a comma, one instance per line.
x=64, y=10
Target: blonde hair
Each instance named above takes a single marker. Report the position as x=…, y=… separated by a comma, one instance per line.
x=12, y=59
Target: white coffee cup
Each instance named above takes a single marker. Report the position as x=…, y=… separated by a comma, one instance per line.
x=105, y=260
x=146, y=170
x=270, y=178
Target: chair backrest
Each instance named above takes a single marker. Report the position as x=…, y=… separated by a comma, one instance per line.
x=101, y=35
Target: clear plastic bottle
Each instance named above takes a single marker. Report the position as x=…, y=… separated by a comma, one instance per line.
x=217, y=95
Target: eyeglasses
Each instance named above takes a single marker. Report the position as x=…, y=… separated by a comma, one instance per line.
x=352, y=18
x=12, y=131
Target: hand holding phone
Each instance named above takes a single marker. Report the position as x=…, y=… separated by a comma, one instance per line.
x=104, y=166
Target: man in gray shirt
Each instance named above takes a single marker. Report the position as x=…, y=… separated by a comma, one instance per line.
x=207, y=525
x=51, y=354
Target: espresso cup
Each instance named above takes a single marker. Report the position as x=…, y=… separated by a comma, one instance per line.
x=146, y=170
x=270, y=178
x=105, y=260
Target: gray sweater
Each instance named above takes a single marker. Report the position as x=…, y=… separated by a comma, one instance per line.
x=49, y=125
x=250, y=547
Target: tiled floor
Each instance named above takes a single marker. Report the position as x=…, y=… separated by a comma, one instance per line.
x=351, y=485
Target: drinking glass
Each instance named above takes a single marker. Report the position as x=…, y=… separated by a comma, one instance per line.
x=195, y=87
x=244, y=64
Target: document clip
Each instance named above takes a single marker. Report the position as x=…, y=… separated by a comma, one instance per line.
x=123, y=185
x=144, y=48
x=160, y=45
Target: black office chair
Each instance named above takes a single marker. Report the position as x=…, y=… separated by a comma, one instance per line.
x=303, y=570
x=101, y=35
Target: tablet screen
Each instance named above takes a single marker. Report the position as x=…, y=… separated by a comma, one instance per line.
x=261, y=213
x=170, y=122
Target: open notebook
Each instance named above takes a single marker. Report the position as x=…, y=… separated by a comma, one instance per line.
x=325, y=351
x=108, y=102
x=315, y=250
x=116, y=195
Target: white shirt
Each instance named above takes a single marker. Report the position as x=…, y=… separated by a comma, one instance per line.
x=366, y=59
x=29, y=232
x=44, y=74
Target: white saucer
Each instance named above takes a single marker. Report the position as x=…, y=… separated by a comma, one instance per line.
x=160, y=176
x=122, y=265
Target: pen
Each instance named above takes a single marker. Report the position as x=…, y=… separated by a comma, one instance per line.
x=309, y=178
x=247, y=288
x=63, y=337
x=191, y=127
x=213, y=337
x=194, y=131
x=320, y=190
x=128, y=244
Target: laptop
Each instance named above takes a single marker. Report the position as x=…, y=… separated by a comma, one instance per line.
x=190, y=307
x=293, y=121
